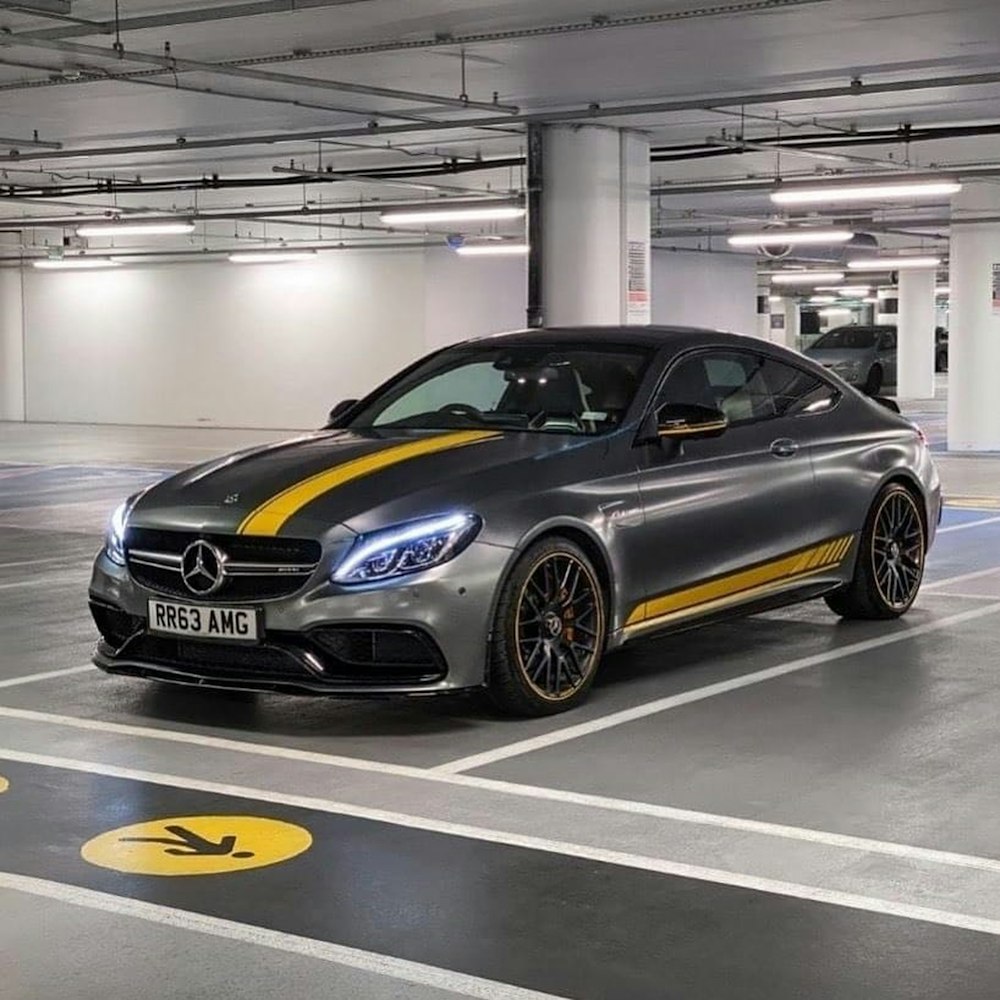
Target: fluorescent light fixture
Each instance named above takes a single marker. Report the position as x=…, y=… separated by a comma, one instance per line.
x=790, y=237
x=942, y=290
x=892, y=263
x=836, y=311
x=271, y=256
x=775, y=299
x=871, y=301
x=487, y=213
x=848, y=290
x=74, y=263
x=165, y=228
x=823, y=300
x=886, y=190
x=493, y=250
x=806, y=277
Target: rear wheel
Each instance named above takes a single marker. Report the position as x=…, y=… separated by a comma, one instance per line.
x=549, y=632
x=873, y=384
x=890, y=563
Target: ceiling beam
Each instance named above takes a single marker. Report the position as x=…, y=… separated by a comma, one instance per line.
x=172, y=64
x=197, y=15
x=856, y=89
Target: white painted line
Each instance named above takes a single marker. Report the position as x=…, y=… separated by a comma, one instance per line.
x=18, y=584
x=627, y=715
x=45, y=675
x=415, y=973
x=517, y=790
x=964, y=578
x=65, y=560
x=968, y=525
x=966, y=596
x=588, y=852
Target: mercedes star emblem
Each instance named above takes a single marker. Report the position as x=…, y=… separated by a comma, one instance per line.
x=202, y=568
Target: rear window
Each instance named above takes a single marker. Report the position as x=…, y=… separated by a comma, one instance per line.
x=846, y=338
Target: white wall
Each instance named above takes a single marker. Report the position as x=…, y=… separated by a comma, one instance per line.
x=11, y=347
x=718, y=291
x=252, y=345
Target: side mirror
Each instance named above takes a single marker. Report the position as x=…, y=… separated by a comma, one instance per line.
x=889, y=404
x=338, y=411
x=682, y=420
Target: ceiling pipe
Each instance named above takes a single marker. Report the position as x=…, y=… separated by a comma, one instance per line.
x=855, y=89
x=375, y=177
x=172, y=64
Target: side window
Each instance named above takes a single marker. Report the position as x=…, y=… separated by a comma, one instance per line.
x=730, y=381
x=797, y=392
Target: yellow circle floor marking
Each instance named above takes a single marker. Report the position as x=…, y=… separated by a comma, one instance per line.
x=197, y=845
x=4, y=784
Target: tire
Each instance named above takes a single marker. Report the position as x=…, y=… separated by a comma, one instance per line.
x=873, y=384
x=549, y=631
x=890, y=563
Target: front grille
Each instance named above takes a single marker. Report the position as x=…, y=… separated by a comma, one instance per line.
x=248, y=548
x=323, y=659
x=282, y=565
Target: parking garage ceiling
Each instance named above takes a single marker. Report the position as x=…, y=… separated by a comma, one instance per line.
x=297, y=120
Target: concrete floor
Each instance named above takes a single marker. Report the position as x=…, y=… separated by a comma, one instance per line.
x=783, y=807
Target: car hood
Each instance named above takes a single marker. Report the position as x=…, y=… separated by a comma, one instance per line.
x=306, y=486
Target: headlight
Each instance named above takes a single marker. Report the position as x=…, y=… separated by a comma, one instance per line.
x=114, y=542
x=406, y=548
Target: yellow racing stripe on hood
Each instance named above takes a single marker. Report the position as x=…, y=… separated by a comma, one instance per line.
x=270, y=516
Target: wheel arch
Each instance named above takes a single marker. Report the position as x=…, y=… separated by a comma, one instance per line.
x=576, y=531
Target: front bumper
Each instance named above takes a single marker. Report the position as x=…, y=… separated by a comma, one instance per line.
x=421, y=635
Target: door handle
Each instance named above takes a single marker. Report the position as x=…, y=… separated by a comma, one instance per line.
x=784, y=448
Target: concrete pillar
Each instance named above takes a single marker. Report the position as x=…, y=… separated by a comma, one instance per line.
x=595, y=226
x=786, y=323
x=915, y=347
x=12, y=402
x=974, y=335
x=763, y=314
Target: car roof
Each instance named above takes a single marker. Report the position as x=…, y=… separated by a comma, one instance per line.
x=624, y=336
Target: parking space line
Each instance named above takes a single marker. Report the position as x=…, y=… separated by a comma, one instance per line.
x=14, y=584
x=414, y=973
x=691, y=817
x=963, y=578
x=966, y=596
x=45, y=675
x=587, y=852
x=581, y=729
x=67, y=559
x=968, y=524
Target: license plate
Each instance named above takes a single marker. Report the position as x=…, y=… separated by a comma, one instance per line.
x=234, y=624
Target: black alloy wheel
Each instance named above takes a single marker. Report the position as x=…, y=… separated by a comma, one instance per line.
x=890, y=564
x=549, y=633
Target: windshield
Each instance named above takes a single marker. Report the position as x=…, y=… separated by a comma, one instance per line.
x=543, y=387
x=845, y=338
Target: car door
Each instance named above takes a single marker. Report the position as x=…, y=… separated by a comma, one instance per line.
x=887, y=354
x=722, y=513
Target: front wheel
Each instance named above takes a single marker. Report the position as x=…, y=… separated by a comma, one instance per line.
x=549, y=631
x=890, y=563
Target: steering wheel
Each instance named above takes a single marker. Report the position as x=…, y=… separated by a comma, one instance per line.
x=462, y=409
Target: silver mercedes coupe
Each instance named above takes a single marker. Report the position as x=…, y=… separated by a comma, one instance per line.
x=505, y=511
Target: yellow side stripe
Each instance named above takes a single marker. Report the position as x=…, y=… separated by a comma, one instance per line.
x=787, y=568
x=270, y=516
